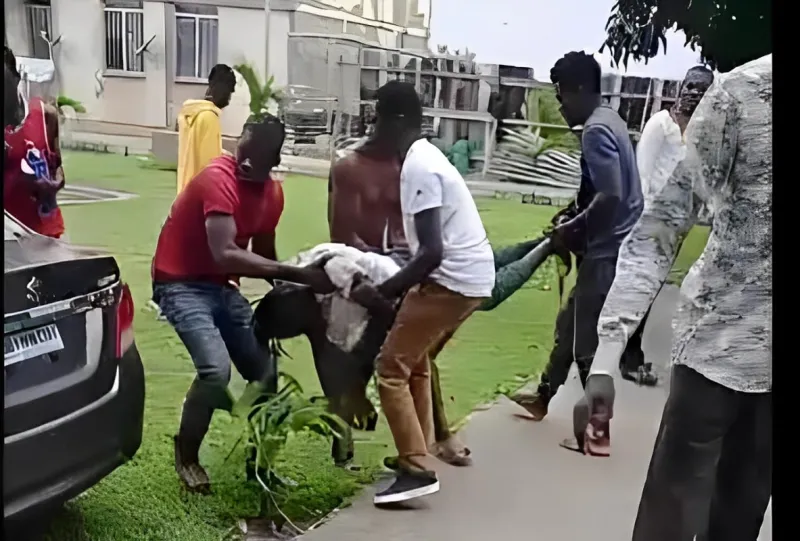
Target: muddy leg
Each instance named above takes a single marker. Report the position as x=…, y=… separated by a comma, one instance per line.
x=447, y=446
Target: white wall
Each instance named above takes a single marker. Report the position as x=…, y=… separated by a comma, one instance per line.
x=279, y=26
x=155, y=65
x=132, y=98
x=242, y=39
x=398, y=12
x=79, y=57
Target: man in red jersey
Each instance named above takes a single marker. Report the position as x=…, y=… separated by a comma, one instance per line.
x=32, y=172
x=201, y=254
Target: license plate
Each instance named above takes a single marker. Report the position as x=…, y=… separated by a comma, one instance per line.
x=26, y=345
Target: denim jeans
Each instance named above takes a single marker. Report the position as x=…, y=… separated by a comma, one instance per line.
x=215, y=324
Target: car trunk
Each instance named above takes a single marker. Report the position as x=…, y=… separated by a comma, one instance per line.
x=60, y=321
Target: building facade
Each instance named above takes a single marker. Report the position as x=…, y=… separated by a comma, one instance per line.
x=134, y=62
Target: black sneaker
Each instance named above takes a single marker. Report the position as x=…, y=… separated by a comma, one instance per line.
x=408, y=486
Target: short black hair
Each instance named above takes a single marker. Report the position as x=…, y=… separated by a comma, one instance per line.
x=701, y=71
x=286, y=311
x=397, y=99
x=222, y=73
x=265, y=126
x=577, y=70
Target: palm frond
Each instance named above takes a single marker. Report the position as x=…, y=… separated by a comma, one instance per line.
x=253, y=83
x=261, y=95
x=271, y=419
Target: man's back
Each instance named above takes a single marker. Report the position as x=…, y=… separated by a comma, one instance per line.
x=199, y=138
x=725, y=317
x=723, y=327
x=606, y=120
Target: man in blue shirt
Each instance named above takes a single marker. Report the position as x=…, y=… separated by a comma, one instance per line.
x=608, y=205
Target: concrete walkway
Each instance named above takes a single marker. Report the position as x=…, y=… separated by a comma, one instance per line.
x=522, y=485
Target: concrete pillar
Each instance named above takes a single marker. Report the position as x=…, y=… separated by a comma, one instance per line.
x=278, y=28
x=80, y=56
x=155, y=65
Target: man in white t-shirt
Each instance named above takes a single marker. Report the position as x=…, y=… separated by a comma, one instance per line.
x=451, y=272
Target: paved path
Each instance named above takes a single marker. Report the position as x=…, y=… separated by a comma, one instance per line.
x=522, y=485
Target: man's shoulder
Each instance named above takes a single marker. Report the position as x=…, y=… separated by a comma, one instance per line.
x=346, y=163
x=604, y=116
x=753, y=79
x=217, y=175
x=605, y=123
x=660, y=118
x=424, y=158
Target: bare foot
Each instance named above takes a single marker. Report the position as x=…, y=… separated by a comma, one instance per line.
x=589, y=447
x=452, y=451
x=535, y=405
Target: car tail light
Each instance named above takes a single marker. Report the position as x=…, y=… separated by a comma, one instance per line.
x=124, y=321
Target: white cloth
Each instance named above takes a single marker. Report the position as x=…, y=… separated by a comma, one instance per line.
x=428, y=180
x=346, y=320
x=723, y=327
x=660, y=150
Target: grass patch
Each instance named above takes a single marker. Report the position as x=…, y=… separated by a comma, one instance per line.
x=143, y=501
x=153, y=164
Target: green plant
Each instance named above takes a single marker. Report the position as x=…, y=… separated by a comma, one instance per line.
x=262, y=96
x=727, y=33
x=64, y=101
x=271, y=420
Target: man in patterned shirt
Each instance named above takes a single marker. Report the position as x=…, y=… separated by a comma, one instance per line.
x=710, y=476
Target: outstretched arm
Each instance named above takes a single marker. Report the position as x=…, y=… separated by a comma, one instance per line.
x=650, y=250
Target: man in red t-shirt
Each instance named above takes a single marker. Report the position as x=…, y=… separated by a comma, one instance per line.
x=201, y=254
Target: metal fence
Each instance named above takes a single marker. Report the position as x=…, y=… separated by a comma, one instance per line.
x=124, y=36
x=40, y=29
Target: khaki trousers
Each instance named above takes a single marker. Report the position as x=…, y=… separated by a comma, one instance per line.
x=428, y=317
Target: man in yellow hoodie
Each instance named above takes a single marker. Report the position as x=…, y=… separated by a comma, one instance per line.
x=199, y=131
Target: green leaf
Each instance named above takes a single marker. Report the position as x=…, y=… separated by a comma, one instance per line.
x=253, y=391
x=64, y=101
x=261, y=95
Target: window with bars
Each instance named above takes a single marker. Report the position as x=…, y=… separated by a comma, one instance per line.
x=124, y=35
x=40, y=27
x=197, y=38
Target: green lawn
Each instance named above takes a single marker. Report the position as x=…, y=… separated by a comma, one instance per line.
x=143, y=500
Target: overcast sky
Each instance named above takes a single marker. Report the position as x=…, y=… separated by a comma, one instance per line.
x=536, y=33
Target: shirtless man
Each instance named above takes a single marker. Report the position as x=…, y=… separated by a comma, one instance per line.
x=364, y=212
